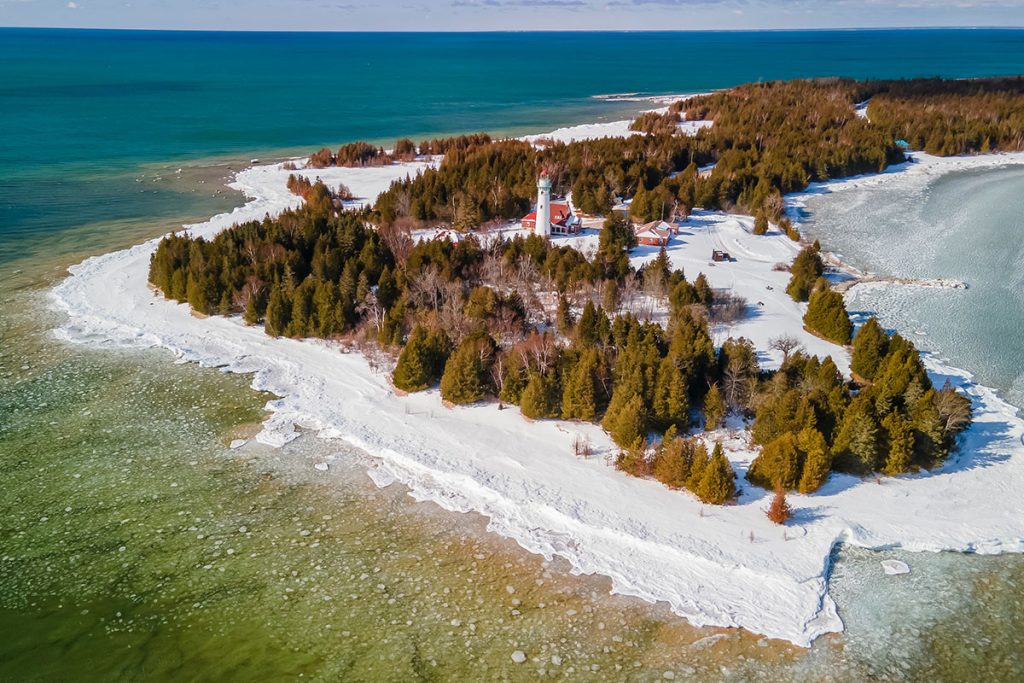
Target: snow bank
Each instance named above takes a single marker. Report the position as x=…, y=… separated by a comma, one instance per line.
x=715, y=566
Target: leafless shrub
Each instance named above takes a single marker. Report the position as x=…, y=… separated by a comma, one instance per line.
x=727, y=308
x=343, y=193
x=581, y=446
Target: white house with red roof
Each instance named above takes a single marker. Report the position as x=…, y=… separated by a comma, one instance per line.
x=654, y=234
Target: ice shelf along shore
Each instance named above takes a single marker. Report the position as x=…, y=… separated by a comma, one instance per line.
x=717, y=566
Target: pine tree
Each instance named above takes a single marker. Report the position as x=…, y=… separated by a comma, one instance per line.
x=714, y=409
x=657, y=272
x=698, y=463
x=610, y=296
x=252, y=314
x=717, y=483
x=536, y=402
x=279, y=311
x=927, y=424
x=817, y=460
x=625, y=419
x=857, y=446
x=870, y=345
x=302, y=305
x=900, y=438
x=761, y=224
x=195, y=294
x=579, y=395
x=705, y=295
x=826, y=315
x=179, y=287
x=563, y=316
x=777, y=465
x=224, y=306
x=806, y=269
x=513, y=381
x=416, y=368
x=591, y=329
x=465, y=374
x=671, y=400
x=779, y=512
x=671, y=466
x=327, y=308
x=387, y=288
x=633, y=459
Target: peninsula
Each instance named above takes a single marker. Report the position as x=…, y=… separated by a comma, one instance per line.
x=697, y=414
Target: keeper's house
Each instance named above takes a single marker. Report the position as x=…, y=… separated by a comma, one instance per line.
x=653, y=234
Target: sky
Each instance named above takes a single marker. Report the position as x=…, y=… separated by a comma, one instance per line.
x=474, y=15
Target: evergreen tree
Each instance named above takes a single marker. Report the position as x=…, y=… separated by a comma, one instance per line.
x=302, y=305
x=717, y=483
x=196, y=295
x=857, y=446
x=816, y=457
x=714, y=409
x=253, y=313
x=671, y=465
x=579, y=395
x=900, y=438
x=537, y=401
x=806, y=269
x=698, y=464
x=513, y=380
x=870, y=346
x=658, y=271
x=633, y=459
x=826, y=315
x=592, y=328
x=625, y=419
x=327, y=306
x=279, y=311
x=761, y=224
x=671, y=397
x=387, y=288
x=705, y=295
x=610, y=296
x=563, y=316
x=465, y=374
x=418, y=363
x=777, y=465
x=927, y=425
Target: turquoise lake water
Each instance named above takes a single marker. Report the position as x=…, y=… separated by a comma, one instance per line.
x=103, y=107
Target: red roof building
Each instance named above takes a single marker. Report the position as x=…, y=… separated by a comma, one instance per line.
x=562, y=220
x=653, y=234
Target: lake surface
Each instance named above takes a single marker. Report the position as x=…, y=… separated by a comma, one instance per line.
x=964, y=225
x=135, y=544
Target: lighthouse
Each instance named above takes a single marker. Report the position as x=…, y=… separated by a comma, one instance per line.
x=543, y=205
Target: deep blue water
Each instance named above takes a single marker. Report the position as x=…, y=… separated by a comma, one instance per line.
x=98, y=105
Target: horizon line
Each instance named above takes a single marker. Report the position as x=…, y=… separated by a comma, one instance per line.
x=518, y=31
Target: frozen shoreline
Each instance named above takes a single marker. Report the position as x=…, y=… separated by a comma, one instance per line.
x=725, y=566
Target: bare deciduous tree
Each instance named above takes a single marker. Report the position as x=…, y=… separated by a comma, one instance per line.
x=785, y=343
x=426, y=287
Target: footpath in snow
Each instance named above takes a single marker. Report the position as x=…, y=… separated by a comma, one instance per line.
x=715, y=566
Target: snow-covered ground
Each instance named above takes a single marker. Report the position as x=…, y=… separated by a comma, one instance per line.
x=718, y=566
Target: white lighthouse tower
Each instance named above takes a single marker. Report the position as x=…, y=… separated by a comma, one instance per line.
x=543, y=205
